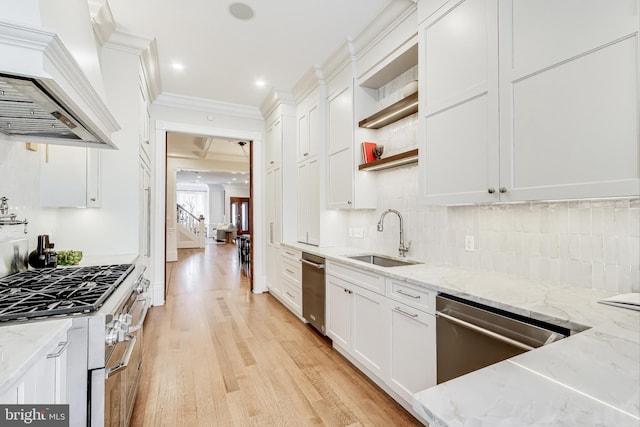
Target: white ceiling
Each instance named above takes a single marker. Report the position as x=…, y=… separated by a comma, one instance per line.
x=209, y=153
x=223, y=56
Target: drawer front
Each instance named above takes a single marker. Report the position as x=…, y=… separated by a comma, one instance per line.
x=291, y=270
x=366, y=279
x=413, y=295
x=292, y=254
x=293, y=295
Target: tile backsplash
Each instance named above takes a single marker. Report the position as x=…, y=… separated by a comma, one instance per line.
x=20, y=183
x=593, y=244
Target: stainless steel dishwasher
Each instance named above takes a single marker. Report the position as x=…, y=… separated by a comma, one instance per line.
x=313, y=290
x=471, y=336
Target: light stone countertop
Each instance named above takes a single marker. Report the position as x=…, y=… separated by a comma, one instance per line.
x=589, y=378
x=22, y=343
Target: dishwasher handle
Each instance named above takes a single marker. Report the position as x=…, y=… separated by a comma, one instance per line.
x=484, y=331
x=313, y=264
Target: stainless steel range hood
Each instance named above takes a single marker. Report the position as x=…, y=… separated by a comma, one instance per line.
x=45, y=97
x=29, y=112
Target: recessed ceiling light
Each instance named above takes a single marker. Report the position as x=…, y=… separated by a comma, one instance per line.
x=177, y=66
x=260, y=83
x=246, y=182
x=241, y=11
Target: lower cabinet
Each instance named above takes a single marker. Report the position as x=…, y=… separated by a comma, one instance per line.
x=387, y=330
x=45, y=382
x=357, y=321
x=412, y=350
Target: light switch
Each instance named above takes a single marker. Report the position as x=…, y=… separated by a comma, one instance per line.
x=469, y=243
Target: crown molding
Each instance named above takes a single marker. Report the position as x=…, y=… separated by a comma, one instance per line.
x=273, y=100
x=308, y=83
x=207, y=105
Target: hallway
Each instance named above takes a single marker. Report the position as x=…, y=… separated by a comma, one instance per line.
x=217, y=355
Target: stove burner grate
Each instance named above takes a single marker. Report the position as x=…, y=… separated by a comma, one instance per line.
x=58, y=291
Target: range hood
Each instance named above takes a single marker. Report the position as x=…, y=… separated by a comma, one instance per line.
x=45, y=97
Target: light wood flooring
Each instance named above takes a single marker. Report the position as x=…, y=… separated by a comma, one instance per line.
x=218, y=355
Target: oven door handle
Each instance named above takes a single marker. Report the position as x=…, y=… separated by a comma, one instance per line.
x=484, y=331
x=124, y=362
x=138, y=326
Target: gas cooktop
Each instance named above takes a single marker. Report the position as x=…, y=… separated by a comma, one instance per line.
x=58, y=291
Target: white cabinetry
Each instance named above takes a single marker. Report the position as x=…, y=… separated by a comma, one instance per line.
x=291, y=276
x=412, y=346
x=70, y=176
x=569, y=105
x=565, y=125
x=316, y=224
x=348, y=187
x=45, y=381
x=280, y=189
x=357, y=318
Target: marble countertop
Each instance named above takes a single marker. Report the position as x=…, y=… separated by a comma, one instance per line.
x=21, y=344
x=589, y=378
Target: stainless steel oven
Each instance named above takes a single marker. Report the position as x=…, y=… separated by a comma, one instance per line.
x=123, y=360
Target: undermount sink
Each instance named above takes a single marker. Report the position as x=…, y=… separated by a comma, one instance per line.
x=381, y=260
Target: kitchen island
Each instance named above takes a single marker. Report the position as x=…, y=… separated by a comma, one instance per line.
x=589, y=378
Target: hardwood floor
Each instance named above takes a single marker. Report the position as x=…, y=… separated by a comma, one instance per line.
x=218, y=355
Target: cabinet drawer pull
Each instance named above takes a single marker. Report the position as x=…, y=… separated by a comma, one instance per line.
x=401, y=292
x=289, y=271
x=289, y=253
x=62, y=346
x=291, y=296
x=404, y=313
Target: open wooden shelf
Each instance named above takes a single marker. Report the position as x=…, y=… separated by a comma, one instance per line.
x=394, y=112
x=401, y=159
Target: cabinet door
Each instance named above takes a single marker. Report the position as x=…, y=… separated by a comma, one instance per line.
x=340, y=179
x=569, y=105
x=315, y=130
x=273, y=141
x=277, y=204
x=93, y=196
x=369, y=339
x=459, y=152
x=413, y=350
x=303, y=136
x=313, y=200
x=303, y=202
x=339, y=309
x=63, y=176
x=341, y=119
x=270, y=213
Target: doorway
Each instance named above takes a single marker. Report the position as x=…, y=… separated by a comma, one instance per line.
x=164, y=213
x=240, y=214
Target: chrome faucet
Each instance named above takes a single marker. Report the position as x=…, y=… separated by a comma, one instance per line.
x=402, y=250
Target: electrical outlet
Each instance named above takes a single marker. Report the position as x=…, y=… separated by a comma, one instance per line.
x=350, y=234
x=358, y=232
x=469, y=243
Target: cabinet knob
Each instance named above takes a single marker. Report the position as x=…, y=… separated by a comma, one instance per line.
x=305, y=154
x=491, y=190
x=349, y=202
x=93, y=199
x=503, y=189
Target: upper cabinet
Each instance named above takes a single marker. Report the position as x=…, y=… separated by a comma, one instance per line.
x=512, y=110
x=70, y=177
x=316, y=224
x=349, y=188
x=569, y=105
